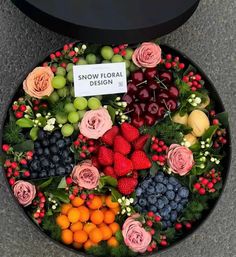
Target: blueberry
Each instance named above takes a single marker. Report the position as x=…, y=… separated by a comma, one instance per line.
x=60, y=143
x=145, y=184
x=173, y=216
x=51, y=172
x=167, y=217
x=55, y=158
x=139, y=191
x=43, y=174
x=61, y=171
x=170, y=195
x=165, y=200
x=67, y=141
x=68, y=160
x=168, y=223
x=153, y=208
x=152, y=199
x=33, y=174
x=52, y=140
x=160, y=187
x=34, y=165
x=37, y=144
x=45, y=142
x=65, y=153
x=167, y=209
x=41, y=135
x=183, y=192
x=57, y=134
x=160, y=204
x=173, y=205
x=170, y=187
x=164, y=224
x=179, y=207
x=68, y=168
x=177, y=199
x=46, y=151
x=150, y=190
x=45, y=163
x=165, y=181
x=142, y=202
x=184, y=202
x=176, y=188
x=159, y=177
x=138, y=208
x=39, y=151
x=51, y=165
x=173, y=181
x=53, y=149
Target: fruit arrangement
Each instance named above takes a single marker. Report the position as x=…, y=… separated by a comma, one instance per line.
x=115, y=175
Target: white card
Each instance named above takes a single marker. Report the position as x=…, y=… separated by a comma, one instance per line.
x=100, y=79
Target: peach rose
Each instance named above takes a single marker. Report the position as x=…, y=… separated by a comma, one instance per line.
x=85, y=175
x=135, y=236
x=95, y=123
x=148, y=55
x=180, y=159
x=39, y=82
x=24, y=192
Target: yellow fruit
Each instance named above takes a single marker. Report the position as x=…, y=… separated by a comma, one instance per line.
x=63, y=221
x=88, y=244
x=84, y=213
x=97, y=217
x=110, y=203
x=114, y=227
x=113, y=242
x=109, y=217
x=89, y=227
x=116, y=210
x=199, y=122
x=67, y=236
x=190, y=139
x=80, y=236
x=95, y=203
x=95, y=235
x=76, y=226
x=65, y=207
x=77, y=201
x=177, y=118
x=106, y=232
x=73, y=215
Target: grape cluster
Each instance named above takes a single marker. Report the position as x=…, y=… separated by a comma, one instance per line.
x=163, y=195
x=52, y=155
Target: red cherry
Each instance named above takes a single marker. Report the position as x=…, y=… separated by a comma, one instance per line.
x=161, y=112
x=137, y=122
x=19, y=114
x=137, y=76
x=153, y=85
x=173, y=91
x=152, y=108
x=171, y=104
x=143, y=94
x=137, y=110
x=166, y=77
x=128, y=99
x=150, y=73
x=132, y=88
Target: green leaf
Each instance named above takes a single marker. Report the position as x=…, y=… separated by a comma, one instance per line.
x=115, y=195
x=196, y=147
x=34, y=133
x=154, y=169
x=189, y=69
x=119, y=236
x=223, y=118
x=192, y=181
x=25, y=123
x=107, y=180
x=146, y=147
x=43, y=121
x=61, y=195
x=45, y=183
x=49, y=224
x=112, y=112
x=62, y=183
x=210, y=132
x=25, y=146
x=170, y=233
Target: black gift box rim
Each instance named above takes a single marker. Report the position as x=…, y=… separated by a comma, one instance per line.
x=227, y=161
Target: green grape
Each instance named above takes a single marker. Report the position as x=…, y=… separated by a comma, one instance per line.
x=61, y=118
x=127, y=73
x=127, y=64
x=91, y=58
x=69, y=67
x=129, y=53
x=81, y=114
x=106, y=61
x=72, y=91
x=61, y=71
x=58, y=82
x=94, y=103
x=67, y=130
x=117, y=58
x=69, y=107
x=54, y=97
x=73, y=117
x=107, y=52
x=81, y=61
x=80, y=103
x=133, y=67
x=63, y=92
x=70, y=76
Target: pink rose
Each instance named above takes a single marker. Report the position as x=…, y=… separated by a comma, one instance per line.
x=135, y=236
x=148, y=55
x=180, y=159
x=39, y=82
x=85, y=175
x=95, y=123
x=24, y=192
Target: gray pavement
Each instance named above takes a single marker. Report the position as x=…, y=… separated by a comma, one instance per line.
x=208, y=38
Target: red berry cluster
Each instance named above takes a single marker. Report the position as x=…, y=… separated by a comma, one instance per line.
x=220, y=138
x=193, y=80
x=158, y=150
x=172, y=62
x=19, y=109
x=75, y=190
x=206, y=184
x=39, y=203
x=39, y=105
x=179, y=226
x=84, y=146
x=120, y=49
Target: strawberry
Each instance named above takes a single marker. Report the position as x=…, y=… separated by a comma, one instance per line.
x=121, y=145
x=109, y=171
x=108, y=137
x=122, y=165
x=105, y=156
x=126, y=186
x=129, y=132
x=140, y=142
x=140, y=160
x=95, y=162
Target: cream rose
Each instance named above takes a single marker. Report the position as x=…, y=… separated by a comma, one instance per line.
x=39, y=82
